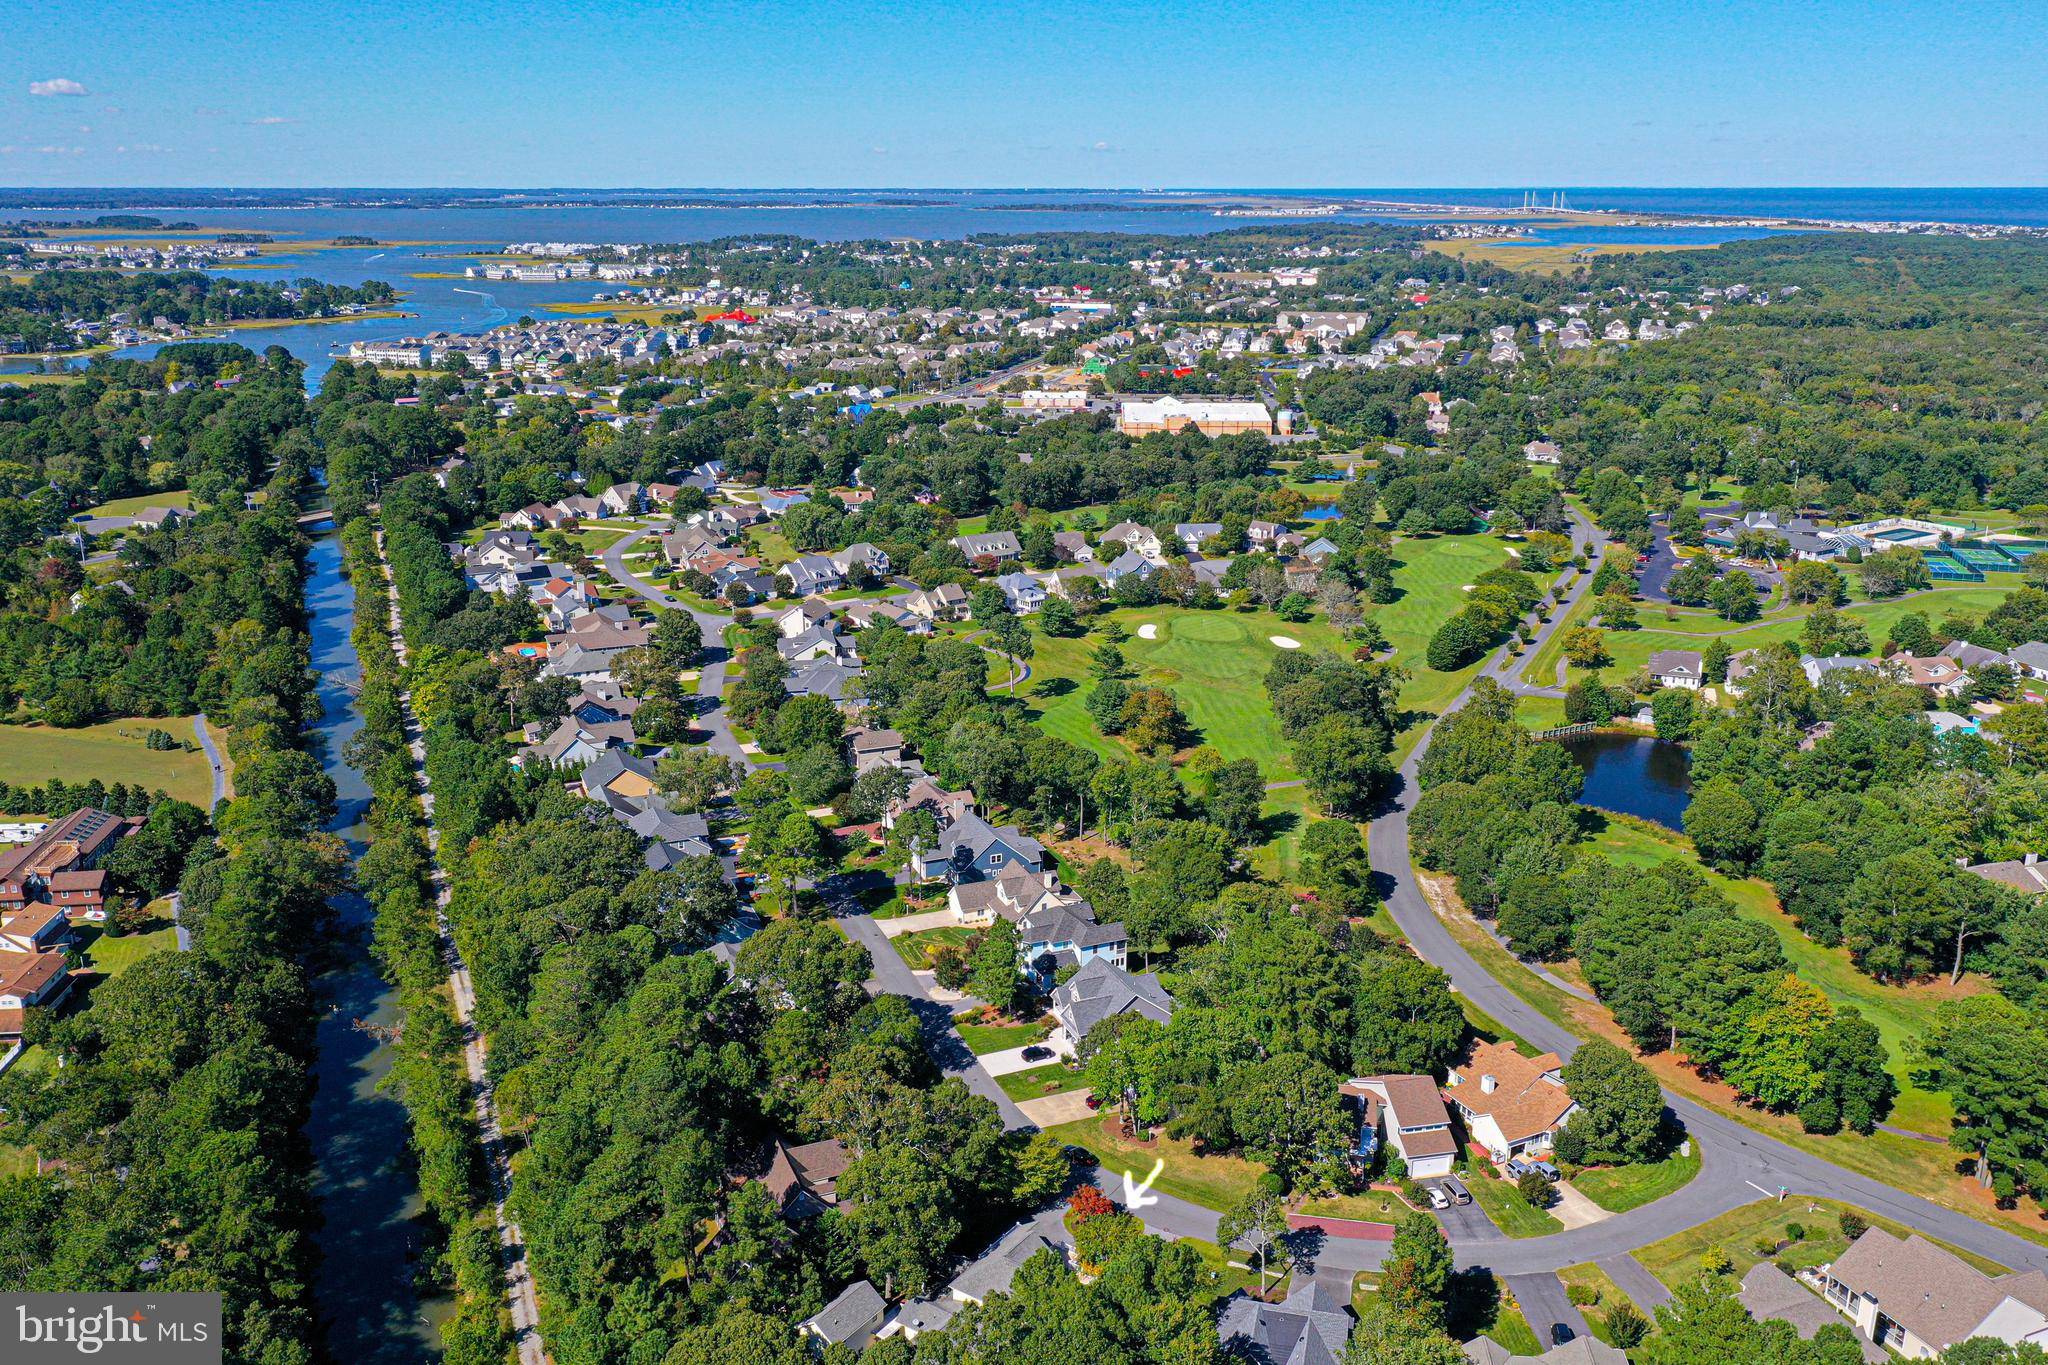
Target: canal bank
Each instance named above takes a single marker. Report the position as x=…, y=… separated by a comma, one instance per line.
x=372, y=1232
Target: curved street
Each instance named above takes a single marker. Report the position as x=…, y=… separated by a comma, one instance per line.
x=1739, y=1165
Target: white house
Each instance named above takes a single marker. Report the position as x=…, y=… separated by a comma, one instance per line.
x=1677, y=668
x=1512, y=1105
x=1410, y=1111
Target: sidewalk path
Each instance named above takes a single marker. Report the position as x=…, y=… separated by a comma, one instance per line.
x=213, y=758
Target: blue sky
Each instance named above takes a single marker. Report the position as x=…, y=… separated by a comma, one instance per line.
x=868, y=93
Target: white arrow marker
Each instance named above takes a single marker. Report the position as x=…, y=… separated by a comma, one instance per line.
x=1139, y=1196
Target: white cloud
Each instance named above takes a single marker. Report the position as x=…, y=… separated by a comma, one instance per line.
x=63, y=85
x=271, y=121
x=141, y=149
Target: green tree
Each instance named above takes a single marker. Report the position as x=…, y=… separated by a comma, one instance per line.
x=1672, y=711
x=1991, y=1060
x=1285, y=1111
x=1723, y=825
x=1621, y=1110
x=1415, y=1281
x=1257, y=1222
x=993, y=967
x=694, y=778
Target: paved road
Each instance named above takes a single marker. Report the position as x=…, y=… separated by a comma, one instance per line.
x=184, y=935
x=711, y=678
x=1543, y=1303
x=213, y=759
x=1505, y=667
x=1645, y=1290
x=1740, y=1165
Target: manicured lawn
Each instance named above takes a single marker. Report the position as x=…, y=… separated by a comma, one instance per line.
x=985, y=1038
x=1689, y=629
x=1511, y=1213
x=1228, y=1278
x=1512, y=1331
x=1431, y=573
x=1287, y=813
x=1214, y=1182
x=121, y=507
x=112, y=751
x=1592, y=1277
x=1054, y=1078
x=1373, y=1206
x=1898, y=1012
x=1676, y=1259
x=1621, y=1188
x=112, y=956
x=1214, y=662
x=916, y=949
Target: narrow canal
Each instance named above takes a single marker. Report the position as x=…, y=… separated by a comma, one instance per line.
x=369, y=1198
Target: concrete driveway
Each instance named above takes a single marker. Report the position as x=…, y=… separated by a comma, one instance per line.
x=1054, y=1110
x=1012, y=1059
x=900, y=925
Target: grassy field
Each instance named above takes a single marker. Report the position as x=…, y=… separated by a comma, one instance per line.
x=1431, y=574
x=111, y=956
x=28, y=381
x=982, y=1039
x=112, y=751
x=1621, y=1188
x=121, y=507
x=1738, y=1232
x=1504, y=1204
x=1544, y=259
x=1215, y=662
x=1214, y=1182
x=1689, y=628
x=1054, y=1078
x=1590, y=1276
x=1898, y=1012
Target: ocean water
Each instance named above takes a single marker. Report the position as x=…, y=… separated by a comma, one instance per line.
x=462, y=223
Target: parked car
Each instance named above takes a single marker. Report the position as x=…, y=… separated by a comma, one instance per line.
x=1437, y=1198
x=1037, y=1053
x=1559, y=1334
x=1455, y=1188
x=1093, y=1102
x=1546, y=1170
x=1516, y=1168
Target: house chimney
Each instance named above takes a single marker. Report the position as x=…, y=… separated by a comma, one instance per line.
x=2031, y=857
x=1488, y=1084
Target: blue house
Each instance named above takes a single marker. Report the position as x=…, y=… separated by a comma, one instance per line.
x=971, y=849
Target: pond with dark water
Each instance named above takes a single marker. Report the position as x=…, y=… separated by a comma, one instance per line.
x=1635, y=775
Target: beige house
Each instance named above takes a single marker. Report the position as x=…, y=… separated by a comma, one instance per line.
x=1910, y=1296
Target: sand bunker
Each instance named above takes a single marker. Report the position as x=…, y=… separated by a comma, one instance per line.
x=1285, y=641
x=1148, y=631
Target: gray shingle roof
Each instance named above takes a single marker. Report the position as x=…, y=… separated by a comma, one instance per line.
x=857, y=1307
